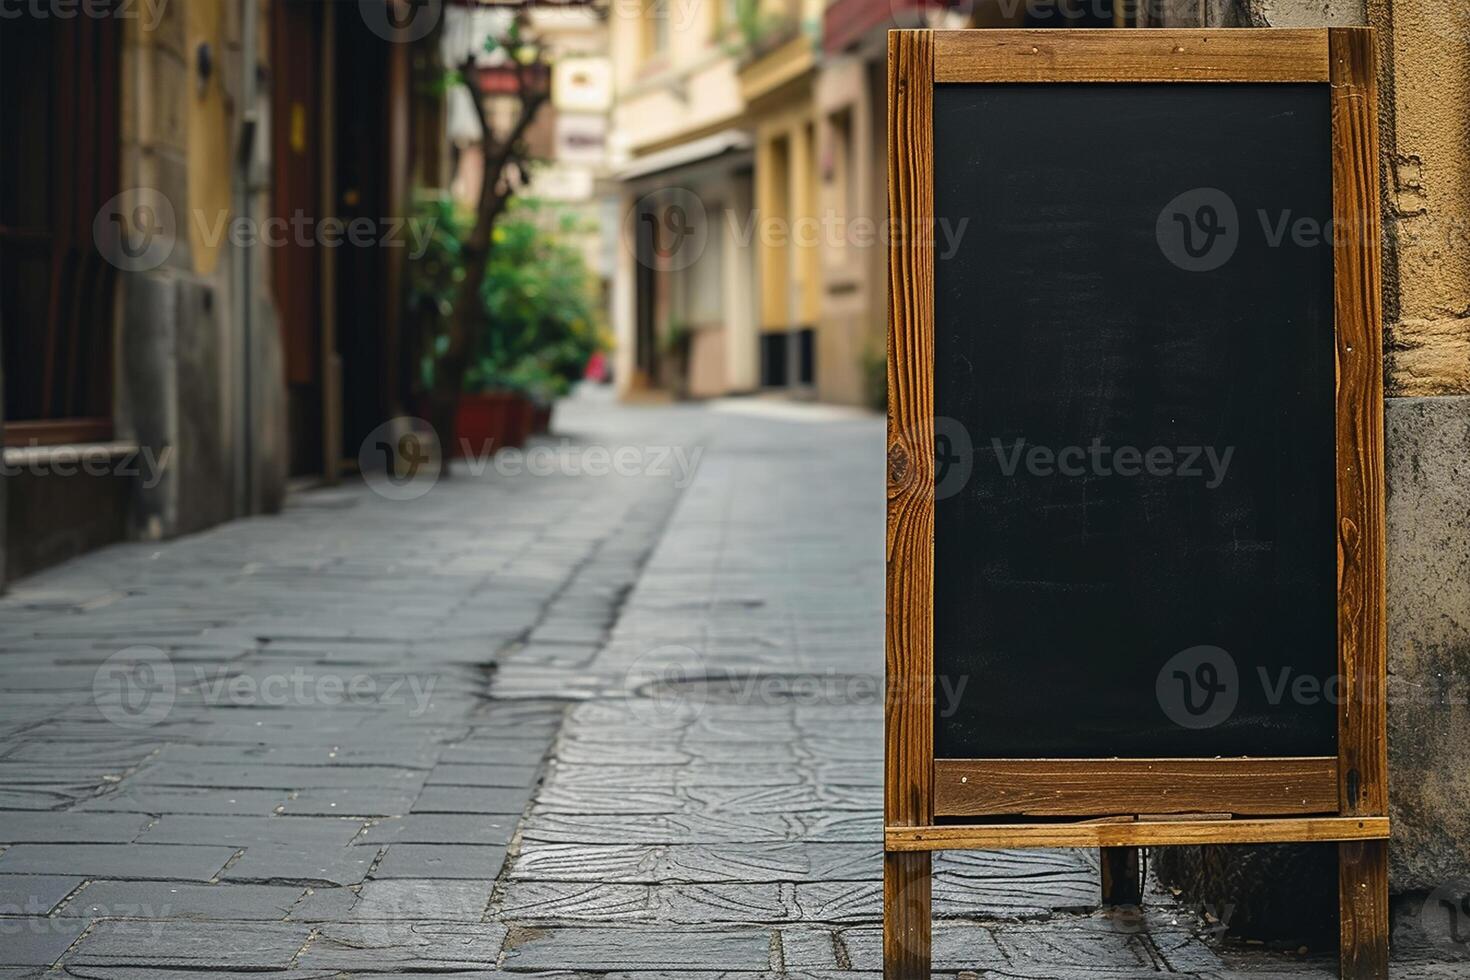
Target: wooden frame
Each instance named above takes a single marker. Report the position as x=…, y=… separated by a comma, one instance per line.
x=1121, y=804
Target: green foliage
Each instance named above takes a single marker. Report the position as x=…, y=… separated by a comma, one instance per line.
x=760, y=30
x=434, y=277
x=539, y=305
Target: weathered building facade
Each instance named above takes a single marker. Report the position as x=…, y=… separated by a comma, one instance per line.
x=185, y=317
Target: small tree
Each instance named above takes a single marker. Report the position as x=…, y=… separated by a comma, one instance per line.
x=506, y=157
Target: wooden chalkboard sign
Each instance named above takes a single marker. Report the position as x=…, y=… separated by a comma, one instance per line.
x=1135, y=464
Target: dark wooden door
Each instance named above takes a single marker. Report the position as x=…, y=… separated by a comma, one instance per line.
x=297, y=139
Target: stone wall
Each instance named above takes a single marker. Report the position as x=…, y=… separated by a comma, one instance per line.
x=182, y=358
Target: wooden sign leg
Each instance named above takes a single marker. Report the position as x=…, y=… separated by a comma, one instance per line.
x=906, y=915
x=1363, y=902
x=1122, y=883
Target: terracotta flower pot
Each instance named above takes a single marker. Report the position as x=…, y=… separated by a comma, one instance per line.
x=490, y=421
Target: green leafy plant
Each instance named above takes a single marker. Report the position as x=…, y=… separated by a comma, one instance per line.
x=537, y=300
x=760, y=31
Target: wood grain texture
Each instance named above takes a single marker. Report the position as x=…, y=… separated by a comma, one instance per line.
x=907, y=891
x=1358, y=315
x=1092, y=787
x=1203, y=55
x=1139, y=833
x=1363, y=916
x=909, y=712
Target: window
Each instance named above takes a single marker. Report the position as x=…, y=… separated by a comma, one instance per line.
x=656, y=30
x=60, y=121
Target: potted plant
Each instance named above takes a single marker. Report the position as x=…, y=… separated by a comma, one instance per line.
x=678, y=341
x=541, y=316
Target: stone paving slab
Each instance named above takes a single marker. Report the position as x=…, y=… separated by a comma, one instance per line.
x=397, y=947
x=34, y=895
x=174, y=899
x=314, y=776
x=179, y=944
x=31, y=941
x=183, y=863
x=608, y=729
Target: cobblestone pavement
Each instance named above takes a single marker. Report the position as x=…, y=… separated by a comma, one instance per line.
x=554, y=724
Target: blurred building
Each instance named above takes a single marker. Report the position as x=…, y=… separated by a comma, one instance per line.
x=162, y=371
x=752, y=197
x=777, y=78
x=684, y=301
x=575, y=165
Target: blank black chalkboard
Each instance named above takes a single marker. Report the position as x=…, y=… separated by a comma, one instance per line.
x=1070, y=311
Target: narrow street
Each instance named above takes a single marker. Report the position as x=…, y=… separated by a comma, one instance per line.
x=540, y=723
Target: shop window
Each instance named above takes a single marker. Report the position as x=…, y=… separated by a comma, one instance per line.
x=60, y=120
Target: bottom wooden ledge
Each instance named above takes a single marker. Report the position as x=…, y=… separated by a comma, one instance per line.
x=1140, y=833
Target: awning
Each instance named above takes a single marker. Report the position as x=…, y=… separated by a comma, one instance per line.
x=704, y=149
